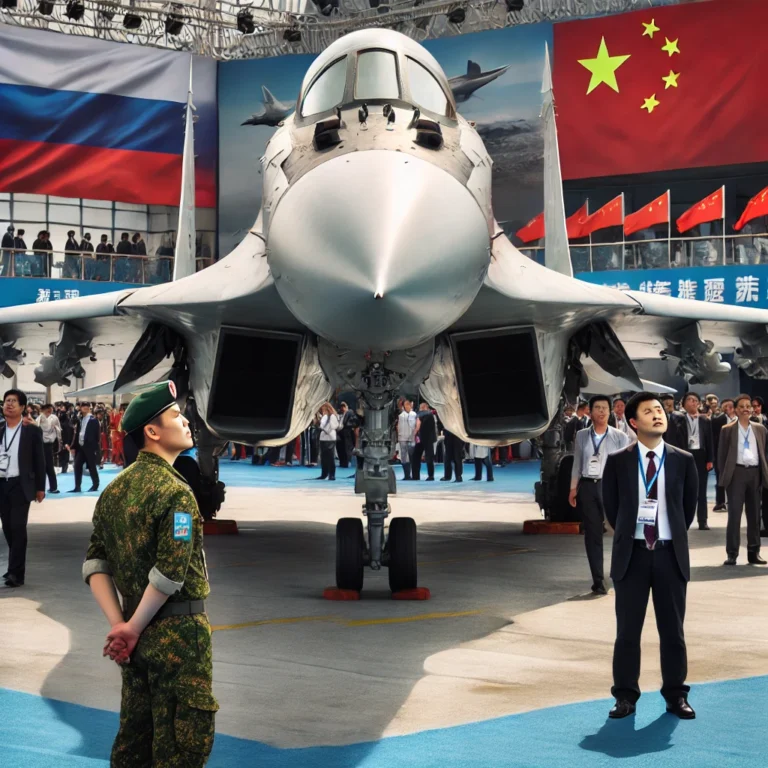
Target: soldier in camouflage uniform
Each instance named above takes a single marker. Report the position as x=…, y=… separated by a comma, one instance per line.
x=148, y=542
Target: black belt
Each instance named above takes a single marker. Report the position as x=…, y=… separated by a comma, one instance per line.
x=181, y=608
x=591, y=479
x=751, y=466
x=660, y=543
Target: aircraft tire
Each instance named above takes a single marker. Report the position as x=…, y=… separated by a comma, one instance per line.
x=402, y=554
x=350, y=548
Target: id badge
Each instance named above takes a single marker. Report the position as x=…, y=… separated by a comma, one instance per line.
x=749, y=457
x=647, y=512
x=593, y=468
x=5, y=462
x=692, y=443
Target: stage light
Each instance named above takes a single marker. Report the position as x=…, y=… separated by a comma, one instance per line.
x=245, y=22
x=326, y=7
x=8, y=3
x=131, y=21
x=174, y=23
x=45, y=7
x=292, y=35
x=75, y=10
x=457, y=16
x=515, y=5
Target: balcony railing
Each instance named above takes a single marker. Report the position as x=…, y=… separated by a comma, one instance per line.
x=665, y=253
x=101, y=267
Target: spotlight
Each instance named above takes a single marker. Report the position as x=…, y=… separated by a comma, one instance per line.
x=131, y=21
x=326, y=7
x=245, y=22
x=457, y=16
x=8, y=3
x=174, y=23
x=381, y=6
x=45, y=7
x=75, y=10
x=515, y=5
x=292, y=35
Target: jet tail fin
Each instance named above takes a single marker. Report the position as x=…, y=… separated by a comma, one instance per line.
x=473, y=68
x=556, y=253
x=266, y=95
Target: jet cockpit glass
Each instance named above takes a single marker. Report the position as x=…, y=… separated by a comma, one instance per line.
x=426, y=92
x=328, y=89
x=376, y=76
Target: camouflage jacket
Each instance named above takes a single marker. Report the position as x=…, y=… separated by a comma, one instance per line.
x=147, y=529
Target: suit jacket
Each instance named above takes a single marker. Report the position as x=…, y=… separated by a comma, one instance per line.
x=92, y=435
x=677, y=434
x=576, y=424
x=621, y=500
x=728, y=451
x=31, y=459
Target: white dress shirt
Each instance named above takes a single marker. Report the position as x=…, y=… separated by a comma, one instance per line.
x=694, y=441
x=9, y=445
x=51, y=427
x=662, y=518
x=584, y=449
x=83, y=425
x=406, y=427
x=746, y=436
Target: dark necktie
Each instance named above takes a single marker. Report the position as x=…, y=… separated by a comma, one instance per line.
x=651, y=531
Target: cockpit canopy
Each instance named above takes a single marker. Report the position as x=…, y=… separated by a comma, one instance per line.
x=376, y=66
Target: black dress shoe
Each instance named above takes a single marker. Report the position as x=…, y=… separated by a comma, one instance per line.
x=730, y=561
x=753, y=558
x=599, y=588
x=681, y=708
x=475, y=478
x=56, y=491
x=458, y=480
x=93, y=488
x=429, y=479
x=704, y=527
x=445, y=479
x=720, y=508
x=622, y=708
x=75, y=490
x=12, y=581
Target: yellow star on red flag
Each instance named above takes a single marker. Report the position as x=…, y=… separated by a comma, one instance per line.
x=671, y=46
x=651, y=29
x=650, y=103
x=603, y=68
x=671, y=79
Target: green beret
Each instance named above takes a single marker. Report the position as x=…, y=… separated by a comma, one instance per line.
x=149, y=404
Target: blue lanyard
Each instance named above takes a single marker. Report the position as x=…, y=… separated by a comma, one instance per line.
x=746, y=437
x=650, y=485
x=597, y=445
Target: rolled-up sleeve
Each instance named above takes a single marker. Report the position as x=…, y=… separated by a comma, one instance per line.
x=96, y=557
x=173, y=552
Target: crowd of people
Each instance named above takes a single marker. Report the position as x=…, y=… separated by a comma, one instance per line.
x=83, y=260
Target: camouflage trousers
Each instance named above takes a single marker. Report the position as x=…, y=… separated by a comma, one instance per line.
x=167, y=711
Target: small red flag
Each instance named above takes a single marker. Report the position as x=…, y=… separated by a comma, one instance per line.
x=610, y=215
x=656, y=212
x=757, y=206
x=575, y=222
x=533, y=230
x=710, y=208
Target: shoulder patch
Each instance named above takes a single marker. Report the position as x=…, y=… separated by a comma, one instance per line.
x=182, y=526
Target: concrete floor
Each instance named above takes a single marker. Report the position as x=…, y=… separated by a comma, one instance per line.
x=510, y=626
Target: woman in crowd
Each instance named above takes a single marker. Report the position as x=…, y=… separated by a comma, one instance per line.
x=329, y=423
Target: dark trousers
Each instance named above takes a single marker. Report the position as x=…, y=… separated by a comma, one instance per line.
x=590, y=499
x=64, y=459
x=488, y=468
x=650, y=572
x=765, y=509
x=344, y=448
x=423, y=449
x=719, y=490
x=14, y=513
x=700, y=457
x=743, y=492
x=50, y=468
x=454, y=458
x=327, y=461
x=88, y=457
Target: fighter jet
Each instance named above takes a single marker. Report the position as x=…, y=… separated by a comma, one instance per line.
x=272, y=111
x=463, y=86
x=376, y=265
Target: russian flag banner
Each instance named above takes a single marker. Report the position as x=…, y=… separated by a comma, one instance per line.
x=100, y=120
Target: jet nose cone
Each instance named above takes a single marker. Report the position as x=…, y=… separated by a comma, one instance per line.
x=378, y=250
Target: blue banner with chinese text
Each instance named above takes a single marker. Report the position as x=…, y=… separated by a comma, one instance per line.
x=31, y=290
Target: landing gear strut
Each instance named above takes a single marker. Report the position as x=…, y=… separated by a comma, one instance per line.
x=376, y=479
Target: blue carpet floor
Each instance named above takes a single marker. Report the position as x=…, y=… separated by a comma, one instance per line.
x=41, y=733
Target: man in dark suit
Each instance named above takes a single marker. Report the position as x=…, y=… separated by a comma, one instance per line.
x=87, y=447
x=580, y=421
x=692, y=432
x=22, y=481
x=744, y=473
x=650, y=553
x=726, y=416
x=453, y=459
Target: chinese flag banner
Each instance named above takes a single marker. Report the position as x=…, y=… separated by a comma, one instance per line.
x=533, y=230
x=710, y=208
x=656, y=212
x=575, y=222
x=610, y=215
x=663, y=88
x=757, y=206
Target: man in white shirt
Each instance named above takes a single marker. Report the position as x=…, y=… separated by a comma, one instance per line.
x=618, y=419
x=49, y=423
x=650, y=492
x=726, y=415
x=406, y=436
x=592, y=447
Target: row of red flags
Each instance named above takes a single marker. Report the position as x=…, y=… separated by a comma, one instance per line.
x=711, y=208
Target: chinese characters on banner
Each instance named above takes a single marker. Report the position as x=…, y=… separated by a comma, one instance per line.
x=48, y=294
x=740, y=285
